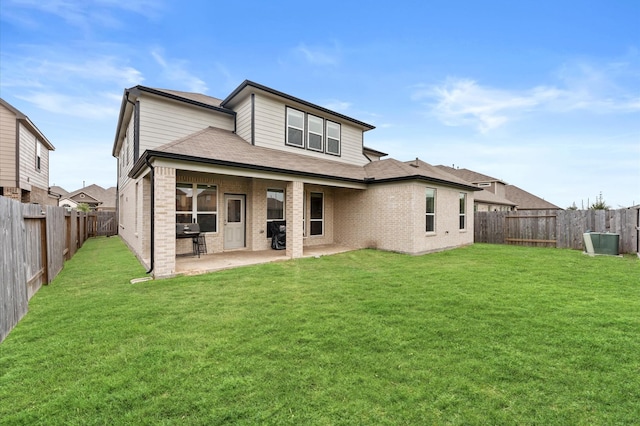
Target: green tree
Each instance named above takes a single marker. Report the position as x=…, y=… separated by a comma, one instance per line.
x=83, y=207
x=600, y=204
x=573, y=206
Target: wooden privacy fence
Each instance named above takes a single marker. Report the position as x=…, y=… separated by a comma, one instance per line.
x=557, y=228
x=34, y=243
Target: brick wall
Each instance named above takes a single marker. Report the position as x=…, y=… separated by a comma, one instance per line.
x=164, y=222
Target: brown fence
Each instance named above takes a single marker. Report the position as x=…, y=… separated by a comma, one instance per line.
x=557, y=228
x=102, y=224
x=34, y=243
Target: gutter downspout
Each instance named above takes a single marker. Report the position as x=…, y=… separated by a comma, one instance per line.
x=153, y=208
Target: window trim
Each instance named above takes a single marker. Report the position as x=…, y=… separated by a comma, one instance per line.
x=311, y=220
x=194, y=204
x=428, y=213
x=309, y=132
x=38, y=155
x=287, y=125
x=339, y=126
x=462, y=224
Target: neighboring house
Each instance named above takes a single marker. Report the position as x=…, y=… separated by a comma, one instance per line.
x=24, y=158
x=95, y=196
x=497, y=195
x=261, y=157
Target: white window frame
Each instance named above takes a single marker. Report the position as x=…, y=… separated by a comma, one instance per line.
x=194, y=203
x=311, y=219
x=38, y=155
x=290, y=112
x=463, y=211
x=332, y=124
x=320, y=121
x=429, y=214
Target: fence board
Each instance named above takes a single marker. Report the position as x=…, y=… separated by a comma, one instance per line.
x=34, y=243
x=564, y=226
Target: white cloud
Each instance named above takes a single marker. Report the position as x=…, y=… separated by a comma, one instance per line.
x=582, y=87
x=81, y=14
x=97, y=106
x=176, y=71
x=319, y=55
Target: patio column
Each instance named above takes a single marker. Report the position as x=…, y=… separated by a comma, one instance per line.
x=164, y=218
x=295, y=231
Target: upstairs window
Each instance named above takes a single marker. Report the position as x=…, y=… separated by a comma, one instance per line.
x=333, y=138
x=38, y=155
x=463, y=209
x=431, y=210
x=315, y=133
x=295, y=127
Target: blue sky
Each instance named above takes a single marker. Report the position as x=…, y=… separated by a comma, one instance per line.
x=542, y=94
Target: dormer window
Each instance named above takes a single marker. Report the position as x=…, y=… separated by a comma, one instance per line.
x=315, y=133
x=333, y=138
x=295, y=127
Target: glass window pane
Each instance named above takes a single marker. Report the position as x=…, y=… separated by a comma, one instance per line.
x=462, y=203
x=315, y=141
x=184, y=218
x=294, y=136
x=234, y=212
x=207, y=198
x=431, y=200
x=207, y=222
x=431, y=225
x=461, y=222
x=333, y=146
x=333, y=130
x=316, y=205
x=184, y=197
x=315, y=124
x=275, y=204
x=295, y=118
x=316, y=227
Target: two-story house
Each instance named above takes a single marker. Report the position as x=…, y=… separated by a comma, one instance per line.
x=260, y=157
x=24, y=158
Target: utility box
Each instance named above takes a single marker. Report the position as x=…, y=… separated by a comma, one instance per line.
x=602, y=243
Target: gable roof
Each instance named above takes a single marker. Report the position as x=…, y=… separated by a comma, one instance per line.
x=528, y=201
x=247, y=86
x=22, y=118
x=489, y=197
x=225, y=148
x=105, y=197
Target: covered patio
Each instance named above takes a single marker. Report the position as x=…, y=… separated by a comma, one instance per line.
x=194, y=265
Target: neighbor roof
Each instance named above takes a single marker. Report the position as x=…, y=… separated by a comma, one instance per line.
x=526, y=200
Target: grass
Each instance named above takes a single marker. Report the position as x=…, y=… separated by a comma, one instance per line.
x=485, y=334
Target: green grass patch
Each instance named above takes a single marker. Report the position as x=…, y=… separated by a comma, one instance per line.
x=485, y=334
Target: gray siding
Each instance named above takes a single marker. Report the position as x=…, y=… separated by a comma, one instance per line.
x=164, y=121
x=28, y=171
x=7, y=147
x=243, y=119
x=270, y=132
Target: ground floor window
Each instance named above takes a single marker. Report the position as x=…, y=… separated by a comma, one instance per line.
x=463, y=209
x=431, y=210
x=275, y=210
x=316, y=217
x=202, y=210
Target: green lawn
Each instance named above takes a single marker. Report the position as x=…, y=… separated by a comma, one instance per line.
x=485, y=334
